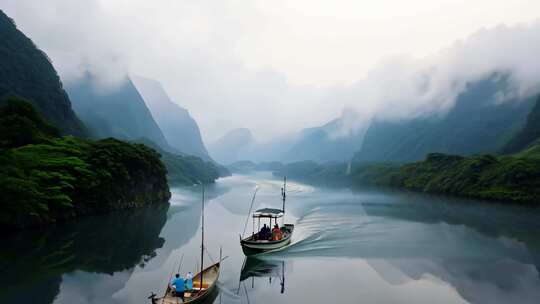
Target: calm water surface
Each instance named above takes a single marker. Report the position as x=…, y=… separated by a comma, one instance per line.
x=348, y=247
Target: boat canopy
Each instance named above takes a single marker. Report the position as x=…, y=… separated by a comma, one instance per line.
x=268, y=212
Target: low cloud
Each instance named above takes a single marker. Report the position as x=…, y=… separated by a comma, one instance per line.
x=191, y=47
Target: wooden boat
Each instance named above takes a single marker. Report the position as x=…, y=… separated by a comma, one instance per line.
x=197, y=294
x=256, y=242
x=204, y=282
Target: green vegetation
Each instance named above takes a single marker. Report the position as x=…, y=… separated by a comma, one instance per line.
x=506, y=178
x=187, y=169
x=45, y=178
x=528, y=135
x=25, y=71
x=329, y=174
x=533, y=151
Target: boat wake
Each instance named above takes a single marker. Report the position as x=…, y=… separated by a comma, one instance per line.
x=366, y=231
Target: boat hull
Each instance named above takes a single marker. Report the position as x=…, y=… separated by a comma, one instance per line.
x=210, y=278
x=251, y=247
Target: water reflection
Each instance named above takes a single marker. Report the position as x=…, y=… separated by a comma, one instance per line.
x=267, y=270
x=349, y=246
x=33, y=262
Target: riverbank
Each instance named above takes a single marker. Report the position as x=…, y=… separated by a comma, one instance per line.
x=511, y=179
x=45, y=178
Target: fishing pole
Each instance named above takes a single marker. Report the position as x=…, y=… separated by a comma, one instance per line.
x=181, y=261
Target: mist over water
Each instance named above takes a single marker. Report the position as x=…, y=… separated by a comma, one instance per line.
x=348, y=246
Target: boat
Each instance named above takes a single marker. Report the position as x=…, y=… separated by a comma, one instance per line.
x=204, y=282
x=271, y=271
x=207, y=293
x=256, y=243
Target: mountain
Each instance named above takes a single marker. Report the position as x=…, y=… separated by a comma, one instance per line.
x=26, y=72
x=323, y=144
x=333, y=141
x=114, y=112
x=179, y=128
x=188, y=170
x=228, y=148
x=529, y=134
x=476, y=124
x=46, y=178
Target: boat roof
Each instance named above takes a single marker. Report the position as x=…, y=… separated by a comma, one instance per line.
x=268, y=212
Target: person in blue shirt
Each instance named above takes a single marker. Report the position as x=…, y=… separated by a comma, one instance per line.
x=189, y=281
x=177, y=285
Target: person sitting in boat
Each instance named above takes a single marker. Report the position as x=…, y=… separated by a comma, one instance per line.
x=189, y=281
x=276, y=233
x=264, y=234
x=177, y=285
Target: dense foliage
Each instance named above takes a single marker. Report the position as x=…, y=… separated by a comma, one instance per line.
x=505, y=178
x=529, y=134
x=246, y=166
x=25, y=71
x=187, y=169
x=330, y=173
x=44, y=178
x=533, y=151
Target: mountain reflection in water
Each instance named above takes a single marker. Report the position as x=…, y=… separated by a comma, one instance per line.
x=349, y=246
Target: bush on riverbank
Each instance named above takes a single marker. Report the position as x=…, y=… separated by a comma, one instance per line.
x=506, y=178
x=45, y=178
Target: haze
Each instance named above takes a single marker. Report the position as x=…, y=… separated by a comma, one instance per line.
x=276, y=67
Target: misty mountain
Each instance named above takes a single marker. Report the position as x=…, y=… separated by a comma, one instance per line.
x=26, y=71
x=178, y=127
x=230, y=146
x=325, y=143
x=114, y=112
x=529, y=134
x=476, y=124
x=332, y=141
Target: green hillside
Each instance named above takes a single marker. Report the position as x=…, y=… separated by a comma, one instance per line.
x=25, y=71
x=183, y=169
x=489, y=177
x=528, y=135
x=45, y=178
x=532, y=151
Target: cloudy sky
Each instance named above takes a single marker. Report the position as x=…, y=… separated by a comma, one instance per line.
x=278, y=66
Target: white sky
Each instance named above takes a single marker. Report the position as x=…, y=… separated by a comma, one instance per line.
x=272, y=66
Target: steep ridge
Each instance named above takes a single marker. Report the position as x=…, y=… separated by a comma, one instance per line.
x=476, y=124
x=229, y=147
x=177, y=125
x=114, y=112
x=26, y=71
x=325, y=143
x=528, y=135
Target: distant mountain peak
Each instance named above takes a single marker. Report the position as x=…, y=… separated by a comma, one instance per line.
x=180, y=129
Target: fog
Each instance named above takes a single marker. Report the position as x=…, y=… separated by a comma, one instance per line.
x=276, y=67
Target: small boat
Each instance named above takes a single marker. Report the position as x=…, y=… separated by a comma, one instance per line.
x=197, y=294
x=257, y=242
x=204, y=282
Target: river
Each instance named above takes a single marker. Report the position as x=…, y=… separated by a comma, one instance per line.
x=349, y=246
